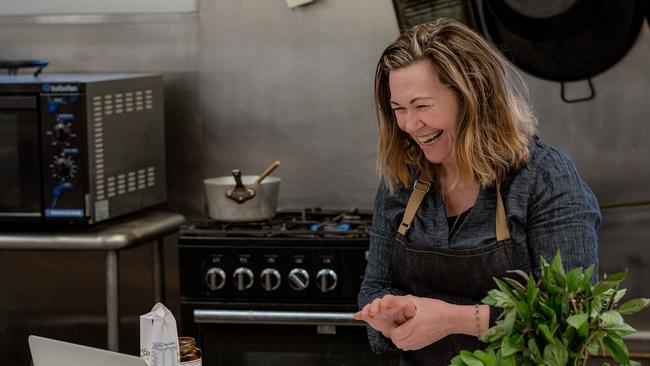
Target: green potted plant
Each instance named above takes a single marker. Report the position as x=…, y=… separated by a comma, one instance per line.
x=560, y=319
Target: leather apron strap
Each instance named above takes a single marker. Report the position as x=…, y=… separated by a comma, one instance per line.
x=420, y=189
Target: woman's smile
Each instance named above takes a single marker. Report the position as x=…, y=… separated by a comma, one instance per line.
x=429, y=139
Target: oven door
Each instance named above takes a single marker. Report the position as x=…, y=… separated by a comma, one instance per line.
x=20, y=176
x=252, y=337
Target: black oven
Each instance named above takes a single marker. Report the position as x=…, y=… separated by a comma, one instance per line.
x=278, y=292
x=20, y=173
x=80, y=147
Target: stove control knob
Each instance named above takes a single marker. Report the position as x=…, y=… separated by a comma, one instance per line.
x=243, y=278
x=215, y=278
x=61, y=131
x=270, y=279
x=298, y=279
x=63, y=167
x=326, y=280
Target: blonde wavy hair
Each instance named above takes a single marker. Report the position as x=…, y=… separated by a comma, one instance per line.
x=496, y=122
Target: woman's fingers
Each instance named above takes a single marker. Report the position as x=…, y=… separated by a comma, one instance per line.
x=400, y=333
x=389, y=301
x=409, y=310
x=374, y=307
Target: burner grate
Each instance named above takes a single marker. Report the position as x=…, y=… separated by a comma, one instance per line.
x=296, y=223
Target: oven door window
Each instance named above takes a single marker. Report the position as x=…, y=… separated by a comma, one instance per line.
x=20, y=193
x=281, y=345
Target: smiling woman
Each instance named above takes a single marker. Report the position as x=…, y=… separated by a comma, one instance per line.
x=468, y=192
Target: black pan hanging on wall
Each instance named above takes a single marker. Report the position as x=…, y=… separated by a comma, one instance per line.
x=564, y=40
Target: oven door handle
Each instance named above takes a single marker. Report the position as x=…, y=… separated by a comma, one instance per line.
x=274, y=317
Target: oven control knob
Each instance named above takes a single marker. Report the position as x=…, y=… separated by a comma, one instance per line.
x=270, y=279
x=215, y=278
x=326, y=280
x=298, y=279
x=61, y=131
x=243, y=278
x=63, y=167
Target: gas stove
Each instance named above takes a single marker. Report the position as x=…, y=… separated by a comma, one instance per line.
x=277, y=292
x=308, y=256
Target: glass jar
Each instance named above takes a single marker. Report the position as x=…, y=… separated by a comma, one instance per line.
x=189, y=353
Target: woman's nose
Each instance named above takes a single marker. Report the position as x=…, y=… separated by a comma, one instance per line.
x=412, y=122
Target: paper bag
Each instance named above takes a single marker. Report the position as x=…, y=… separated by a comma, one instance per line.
x=159, y=338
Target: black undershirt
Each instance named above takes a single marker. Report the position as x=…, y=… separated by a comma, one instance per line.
x=452, y=219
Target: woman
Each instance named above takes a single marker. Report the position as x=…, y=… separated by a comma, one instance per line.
x=468, y=192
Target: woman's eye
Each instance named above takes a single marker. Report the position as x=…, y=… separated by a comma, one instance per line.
x=422, y=106
x=398, y=109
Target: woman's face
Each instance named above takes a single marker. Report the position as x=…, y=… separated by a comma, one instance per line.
x=425, y=109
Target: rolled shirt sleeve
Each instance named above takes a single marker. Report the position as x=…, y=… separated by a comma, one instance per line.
x=377, y=281
x=563, y=214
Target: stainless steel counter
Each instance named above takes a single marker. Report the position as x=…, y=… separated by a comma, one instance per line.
x=113, y=236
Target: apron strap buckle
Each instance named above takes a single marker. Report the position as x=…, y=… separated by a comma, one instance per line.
x=421, y=185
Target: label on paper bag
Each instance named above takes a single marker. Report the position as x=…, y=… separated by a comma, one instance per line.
x=159, y=338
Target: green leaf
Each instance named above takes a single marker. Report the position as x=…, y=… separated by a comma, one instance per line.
x=556, y=264
x=583, y=331
x=593, y=347
x=506, y=350
x=532, y=291
x=543, y=328
x=523, y=310
x=488, y=358
x=499, y=299
x=500, y=330
x=557, y=270
x=550, y=313
x=596, y=306
x=633, y=306
x=457, y=361
x=470, y=359
x=609, y=282
x=588, y=274
x=619, y=330
x=516, y=285
x=611, y=317
x=573, y=279
x=512, y=344
x=577, y=320
x=619, y=295
x=613, y=323
x=556, y=354
x=506, y=360
x=616, y=277
x=634, y=363
x=505, y=288
x=534, y=350
x=617, y=349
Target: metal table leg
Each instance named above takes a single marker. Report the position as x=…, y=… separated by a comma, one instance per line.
x=159, y=270
x=113, y=300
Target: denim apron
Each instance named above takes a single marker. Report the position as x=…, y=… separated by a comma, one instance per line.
x=457, y=276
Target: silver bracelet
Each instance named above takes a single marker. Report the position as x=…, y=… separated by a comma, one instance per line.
x=478, y=322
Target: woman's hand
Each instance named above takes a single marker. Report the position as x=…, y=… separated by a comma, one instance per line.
x=384, y=314
x=433, y=320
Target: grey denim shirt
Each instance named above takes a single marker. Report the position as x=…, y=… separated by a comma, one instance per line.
x=548, y=207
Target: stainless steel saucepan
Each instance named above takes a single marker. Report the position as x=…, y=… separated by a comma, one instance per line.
x=243, y=197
